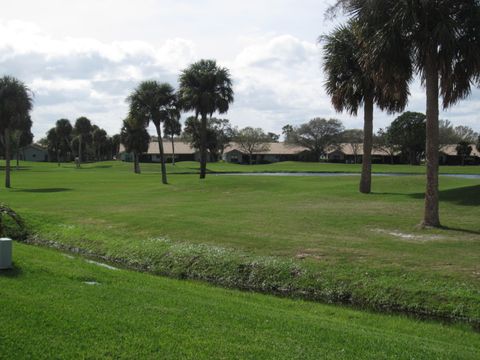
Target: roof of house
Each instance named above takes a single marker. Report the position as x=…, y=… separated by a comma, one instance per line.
x=279, y=148
x=181, y=148
x=451, y=150
x=349, y=149
x=36, y=147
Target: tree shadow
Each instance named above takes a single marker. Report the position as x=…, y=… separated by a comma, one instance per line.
x=15, y=271
x=14, y=168
x=44, y=190
x=471, y=232
x=466, y=196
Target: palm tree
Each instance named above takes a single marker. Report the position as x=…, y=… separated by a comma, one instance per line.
x=53, y=142
x=99, y=137
x=205, y=88
x=172, y=127
x=64, y=129
x=351, y=83
x=442, y=43
x=82, y=129
x=153, y=101
x=136, y=139
x=15, y=105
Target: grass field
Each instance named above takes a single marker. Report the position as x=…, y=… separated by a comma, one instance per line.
x=315, y=238
x=53, y=305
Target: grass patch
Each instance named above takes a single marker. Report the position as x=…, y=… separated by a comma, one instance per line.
x=315, y=238
x=58, y=306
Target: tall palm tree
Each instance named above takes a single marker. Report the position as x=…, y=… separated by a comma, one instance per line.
x=136, y=139
x=152, y=102
x=441, y=39
x=53, y=142
x=15, y=105
x=205, y=88
x=351, y=84
x=83, y=129
x=64, y=130
x=171, y=128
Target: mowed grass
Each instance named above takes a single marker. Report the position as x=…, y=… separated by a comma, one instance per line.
x=48, y=310
x=297, y=166
x=314, y=237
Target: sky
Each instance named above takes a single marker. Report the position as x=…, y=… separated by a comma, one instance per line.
x=83, y=58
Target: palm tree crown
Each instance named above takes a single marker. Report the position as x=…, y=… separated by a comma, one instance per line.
x=153, y=101
x=205, y=88
x=15, y=105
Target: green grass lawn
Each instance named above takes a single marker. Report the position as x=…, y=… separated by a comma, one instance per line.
x=310, y=237
x=296, y=166
x=48, y=310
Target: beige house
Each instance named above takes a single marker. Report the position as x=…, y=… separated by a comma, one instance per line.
x=342, y=153
x=449, y=156
x=183, y=152
x=276, y=152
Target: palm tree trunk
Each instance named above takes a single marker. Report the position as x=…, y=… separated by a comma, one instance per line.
x=366, y=178
x=431, y=215
x=79, y=151
x=203, y=146
x=136, y=163
x=18, y=158
x=173, y=151
x=7, y=157
x=162, y=155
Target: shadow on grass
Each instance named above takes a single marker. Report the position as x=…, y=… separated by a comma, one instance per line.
x=466, y=196
x=14, y=168
x=44, y=190
x=471, y=232
x=15, y=271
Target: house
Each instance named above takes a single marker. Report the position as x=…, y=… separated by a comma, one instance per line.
x=183, y=152
x=449, y=156
x=33, y=152
x=353, y=153
x=276, y=152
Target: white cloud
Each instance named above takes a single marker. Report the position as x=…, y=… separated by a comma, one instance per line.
x=277, y=77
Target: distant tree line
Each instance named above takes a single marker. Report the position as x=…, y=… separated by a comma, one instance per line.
x=82, y=142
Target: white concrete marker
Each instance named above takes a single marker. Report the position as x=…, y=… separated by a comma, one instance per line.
x=5, y=253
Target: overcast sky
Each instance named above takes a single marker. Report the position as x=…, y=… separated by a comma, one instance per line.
x=82, y=58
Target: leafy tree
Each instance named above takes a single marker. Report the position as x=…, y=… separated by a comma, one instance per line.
x=382, y=142
x=353, y=137
x=463, y=150
x=466, y=134
x=408, y=132
x=442, y=43
x=172, y=127
x=15, y=106
x=273, y=137
x=355, y=80
x=205, y=88
x=64, y=131
x=115, y=145
x=446, y=133
x=136, y=140
x=317, y=135
x=478, y=144
x=82, y=130
x=22, y=136
x=219, y=135
x=252, y=140
x=153, y=102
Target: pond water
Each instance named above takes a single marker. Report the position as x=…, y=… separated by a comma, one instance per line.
x=462, y=176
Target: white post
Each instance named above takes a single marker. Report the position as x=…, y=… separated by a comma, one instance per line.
x=5, y=253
